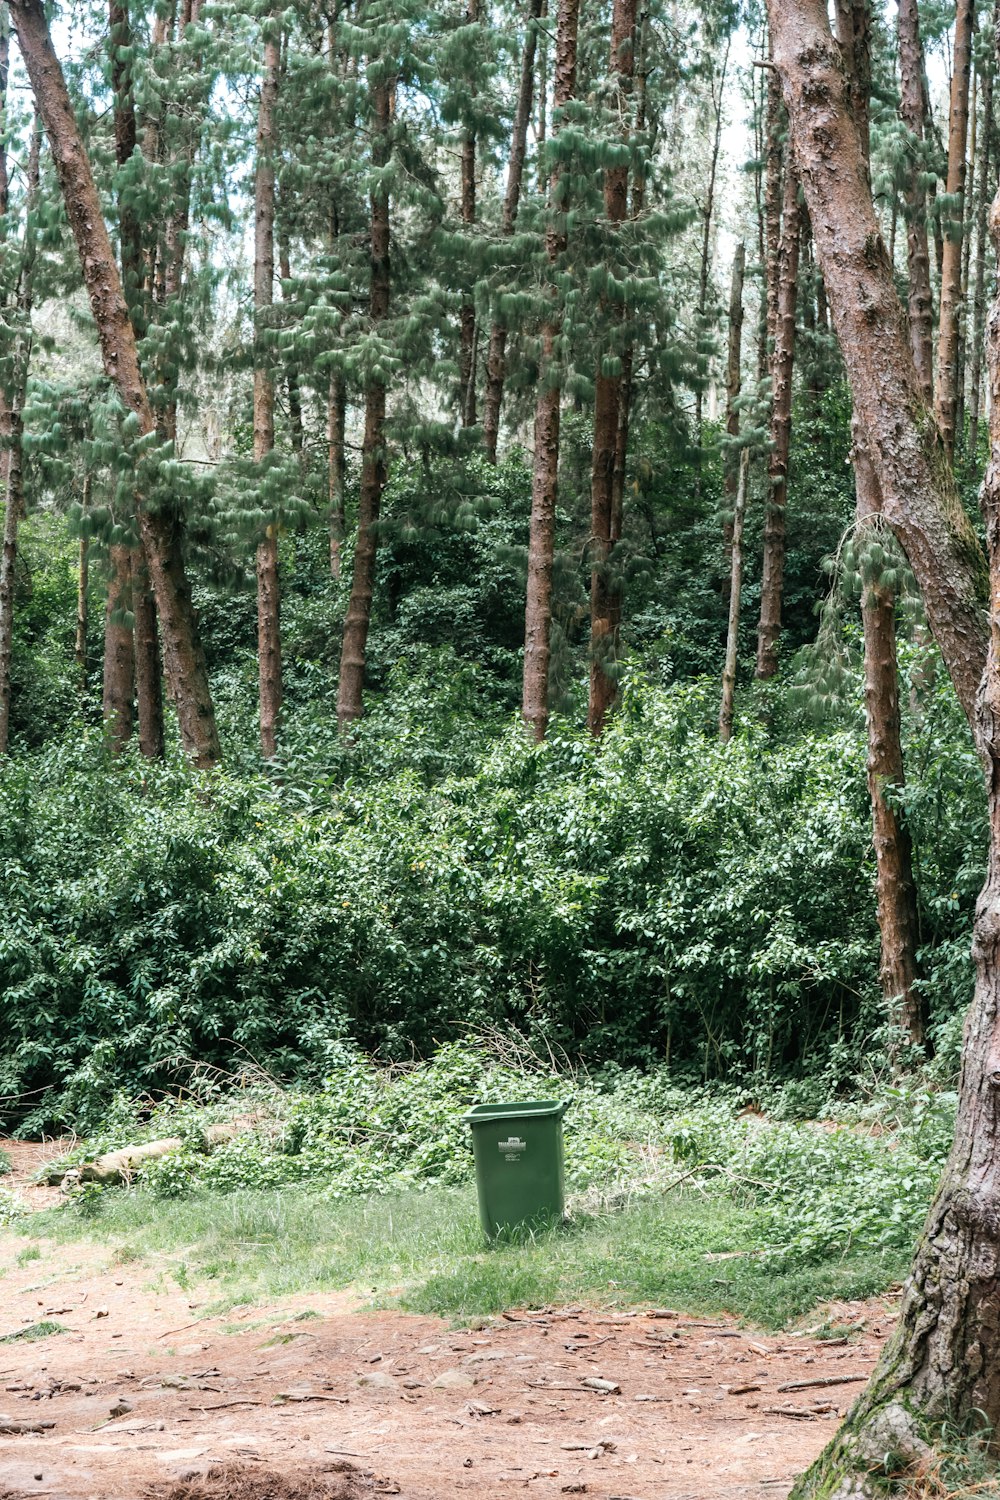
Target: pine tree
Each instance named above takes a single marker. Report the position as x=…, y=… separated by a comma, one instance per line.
x=545, y=472
x=185, y=660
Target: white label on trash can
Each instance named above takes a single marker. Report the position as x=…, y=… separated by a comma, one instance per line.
x=512, y=1147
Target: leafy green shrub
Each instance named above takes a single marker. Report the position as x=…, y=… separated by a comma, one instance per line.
x=661, y=898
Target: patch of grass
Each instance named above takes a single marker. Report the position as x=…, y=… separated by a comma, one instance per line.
x=5, y=1163
x=424, y=1251
x=43, y=1330
x=28, y=1254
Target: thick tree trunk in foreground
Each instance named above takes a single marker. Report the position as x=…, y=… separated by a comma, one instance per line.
x=727, y=710
x=895, y=890
x=268, y=588
x=607, y=406
x=545, y=469
x=942, y=1363
x=921, y=305
x=919, y=497
x=185, y=659
x=373, y=466
x=773, y=581
x=496, y=358
x=949, y=316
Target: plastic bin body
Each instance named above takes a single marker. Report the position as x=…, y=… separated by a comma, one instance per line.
x=518, y=1150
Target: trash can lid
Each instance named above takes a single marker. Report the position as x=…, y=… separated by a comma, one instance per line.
x=533, y=1108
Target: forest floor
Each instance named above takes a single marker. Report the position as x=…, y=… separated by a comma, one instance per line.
x=143, y=1393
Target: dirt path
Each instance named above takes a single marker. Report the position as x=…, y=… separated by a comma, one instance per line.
x=143, y=1389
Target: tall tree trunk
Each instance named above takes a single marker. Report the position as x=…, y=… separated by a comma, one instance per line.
x=545, y=469
x=543, y=101
x=373, y=465
x=12, y=401
x=185, y=659
x=734, y=382
x=707, y=220
x=968, y=224
x=121, y=639
x=82, y=591
x=895, y=890
x=295, y=427
x=921, y=306
x=139, y=290
x=773, y=582
x=8, y=545
x=119, y=649
x=268, y=588
x=772, y=207
x=336, y=423
x=467, y=316
x=728, y=706
x=496, y=358
x=607, y=408
x=148, y=666
x=627, y=391
x=951, y=264
x=982, y=214
x=942, y=1365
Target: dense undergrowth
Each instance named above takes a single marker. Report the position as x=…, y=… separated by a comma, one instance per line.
x=660, y=898
x=796, y=1194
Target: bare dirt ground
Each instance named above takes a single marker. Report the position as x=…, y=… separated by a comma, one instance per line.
x=144, y=1397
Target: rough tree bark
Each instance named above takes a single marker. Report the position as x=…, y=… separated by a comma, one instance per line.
x=545, y=470
x=941, y=1364
x=894, y=886
x=949, y=315
x=496, y=358
x=185, y=661
x=607, y=408
x=373, y=465
x=268, y=585
x=782, y=361
x=921, y=306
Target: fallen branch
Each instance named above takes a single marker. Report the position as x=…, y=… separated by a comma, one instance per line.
x=801, y=1412
x=805, y=1385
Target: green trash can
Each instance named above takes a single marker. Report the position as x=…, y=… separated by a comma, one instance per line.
x=518, y=1150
